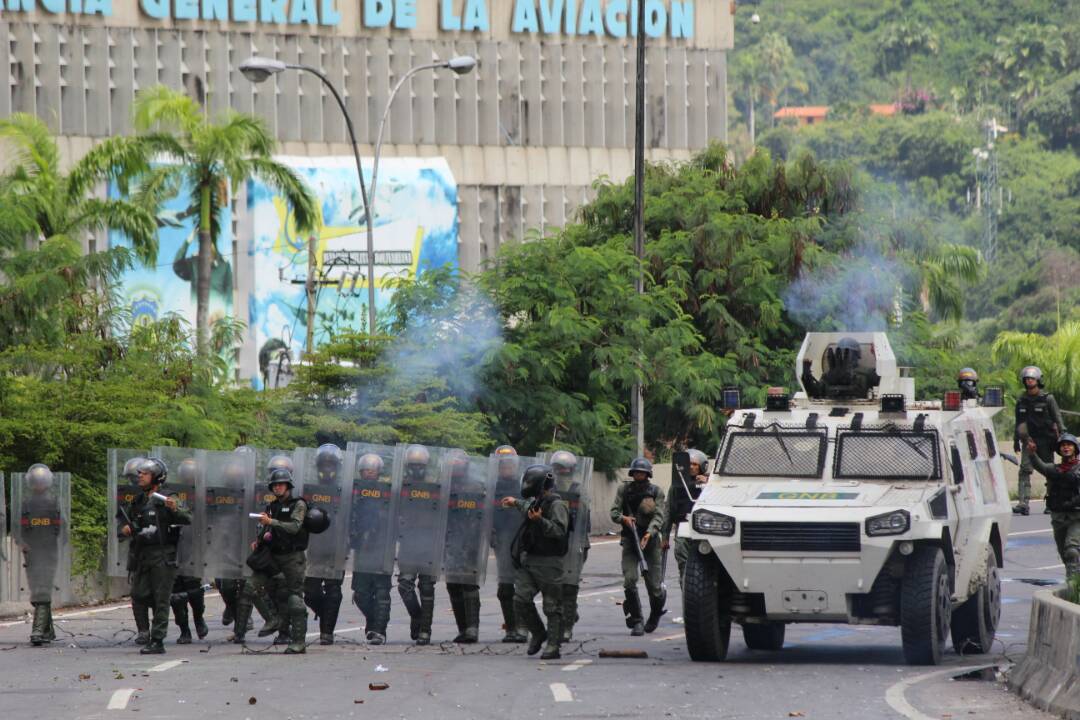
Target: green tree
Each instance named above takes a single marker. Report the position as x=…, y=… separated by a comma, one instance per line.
x=206, y=158
x=1027, y=59
x=1056, y=355
x=45, y=214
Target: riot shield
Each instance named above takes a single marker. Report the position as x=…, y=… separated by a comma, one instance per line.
x=122, y=491
x=263, y=456
x=41, y=517
x=506, y=471
x=186, y=467
x=222, y=503
x=420, y=527
x=470, y=511
x=328, y=486
x=374, y=508
x=573, y=487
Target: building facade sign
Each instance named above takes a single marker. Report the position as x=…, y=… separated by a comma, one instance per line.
x=599, y=18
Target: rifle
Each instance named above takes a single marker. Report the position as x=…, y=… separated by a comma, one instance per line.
x=643, y=567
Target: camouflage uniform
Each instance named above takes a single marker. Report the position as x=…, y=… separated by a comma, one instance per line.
x=154, y=560
x=540, y=569
x=630, y=499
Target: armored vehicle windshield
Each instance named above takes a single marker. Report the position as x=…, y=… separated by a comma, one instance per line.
x=775, y=452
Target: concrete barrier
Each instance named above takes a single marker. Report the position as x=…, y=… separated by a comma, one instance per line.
x=1049, y=675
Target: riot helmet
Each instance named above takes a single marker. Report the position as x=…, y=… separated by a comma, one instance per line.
x=188, y=470
x=968, y=380
x=848, y=352
x=235, y=471
x=370, y=466
x=131, y=469
x=700, y=459
x=316, y=520
x=280, y=475
x=39, y=477
x=417, y=458
x=159, y=471
x=536, y=480
x=641, y=465
x=280, y=461
x=1067, y=439
x=564, y=462
x=508, y=461
x=244, y=449
x=1033, y=372
x=328, y=458
x=459, y=463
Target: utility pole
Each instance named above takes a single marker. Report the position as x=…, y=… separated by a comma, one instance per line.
x=637, y=409
x=312, y=295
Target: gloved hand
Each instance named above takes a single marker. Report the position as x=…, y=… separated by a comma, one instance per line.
x=1016, y=444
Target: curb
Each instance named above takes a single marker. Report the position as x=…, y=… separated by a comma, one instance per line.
x=1049, y=674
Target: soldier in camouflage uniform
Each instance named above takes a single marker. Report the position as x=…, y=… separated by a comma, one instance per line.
x=684, y=491
x=188, y=590
x=154, y=528
x=565, y=463
x=1063, y=499
x=283, y=531
x=1037, y=418
x=639, y=505
x=539, y=552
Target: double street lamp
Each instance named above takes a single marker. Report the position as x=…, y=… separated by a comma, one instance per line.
x=260, y=69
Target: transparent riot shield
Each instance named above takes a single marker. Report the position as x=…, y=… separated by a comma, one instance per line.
x=470, y=511
x=223, y=502
x=41, y=517
x=328, y=486
x=374, y=508
x=573, y=487
x=506, y=470
x=186, y=467
x=420, y=528
x=122, y=491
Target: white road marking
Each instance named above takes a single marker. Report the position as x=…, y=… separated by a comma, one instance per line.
x=119, y=699
x=894, y=696
x=605, y=542
x=168, y=665
x=1050, y=567
x=1031, y=532
x=678, y=636
x=337, y=632
x=600, y=592
x=576, y=665
x=561, y=693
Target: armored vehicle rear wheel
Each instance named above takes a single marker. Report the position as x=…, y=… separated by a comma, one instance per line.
x=925, y=607
x=764, y=636
x=974, y=623
x=706, y=608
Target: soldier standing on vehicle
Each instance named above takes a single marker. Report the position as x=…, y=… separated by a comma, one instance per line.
x=371, y=590
x=639, y=506
x=539, y=551
x=685, y=489
x=283, y=532
x=154, y=526
x=968, y=382
x=843, y=378
x=1037, y=418
x=40, y=519
x=323, y=594
x=1063, y=499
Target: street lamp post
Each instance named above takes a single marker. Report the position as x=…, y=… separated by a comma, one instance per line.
x=260, y=69
x=637, y=405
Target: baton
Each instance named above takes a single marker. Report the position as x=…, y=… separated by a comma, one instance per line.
x=663, y=570
x=643, y=567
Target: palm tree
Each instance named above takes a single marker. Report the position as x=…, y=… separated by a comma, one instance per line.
x=205, y=158
x=45, y=277
x=1058, y=356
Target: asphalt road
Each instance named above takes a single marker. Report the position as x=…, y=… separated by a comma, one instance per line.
x=824, y=671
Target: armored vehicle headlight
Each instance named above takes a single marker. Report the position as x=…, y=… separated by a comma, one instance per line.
x=710, y=523
x=894, y=523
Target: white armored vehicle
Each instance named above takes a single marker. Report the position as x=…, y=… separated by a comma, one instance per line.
x=851, y=503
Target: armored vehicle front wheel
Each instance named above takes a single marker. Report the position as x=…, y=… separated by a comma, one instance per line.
x=925, y=606
x=764, y=636
x=706, y=608
x=974, y=623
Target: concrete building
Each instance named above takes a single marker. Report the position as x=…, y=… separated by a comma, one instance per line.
x=548, y=111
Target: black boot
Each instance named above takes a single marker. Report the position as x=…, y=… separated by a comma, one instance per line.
x=180, y=617
x=37, y=631
x=197, y=599
x=656, y=610
x=569, y=611
x=412, y=605
x=472, y=616
x=554, y=633
x=328, y=621
x=457, y=606
x=154, y=647
x=141, y=613
x=530, y=618
x=513, y=634
x=242, y=620
x=632, y=611
x=427, y=616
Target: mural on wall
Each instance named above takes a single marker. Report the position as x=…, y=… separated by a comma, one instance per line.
x=169, y=287
x=416, y=227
